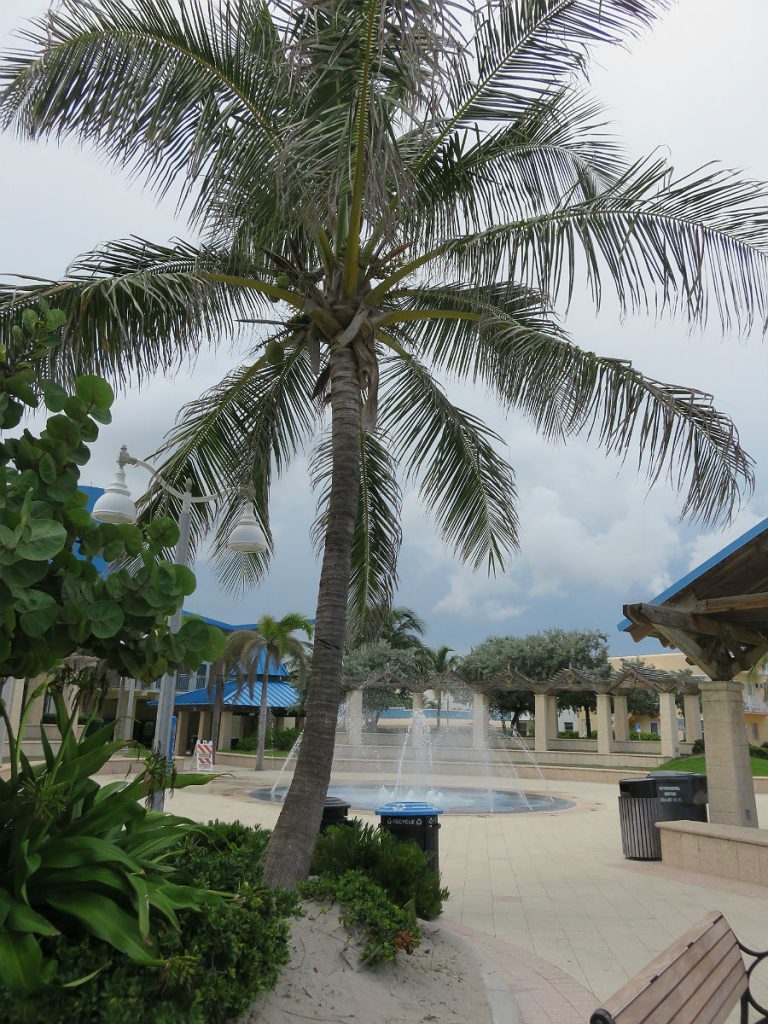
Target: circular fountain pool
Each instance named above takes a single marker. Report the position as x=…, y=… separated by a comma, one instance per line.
x=453, y=801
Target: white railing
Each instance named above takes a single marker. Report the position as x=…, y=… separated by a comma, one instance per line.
x=756, y=706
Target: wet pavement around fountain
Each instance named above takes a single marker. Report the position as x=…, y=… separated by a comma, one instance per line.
x=553, y=884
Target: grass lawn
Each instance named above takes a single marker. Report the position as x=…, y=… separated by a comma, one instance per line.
x=699, y=764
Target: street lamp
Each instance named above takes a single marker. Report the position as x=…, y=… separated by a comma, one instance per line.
x=116, y=506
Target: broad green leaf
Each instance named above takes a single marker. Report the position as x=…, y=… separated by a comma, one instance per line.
x=41, y=540
x=22, y=918
x=21, y=961
x=102, y=917
x=54, y=395
x=94, y=391
x=78, y=850
x=106, y=618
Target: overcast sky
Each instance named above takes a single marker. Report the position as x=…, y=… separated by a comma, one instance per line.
x=592, y=538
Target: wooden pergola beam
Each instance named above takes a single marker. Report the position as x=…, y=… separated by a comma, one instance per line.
x=735, y=603
x=692, y=623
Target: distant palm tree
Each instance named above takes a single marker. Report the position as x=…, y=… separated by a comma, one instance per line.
x=441, y=660
x=398, y=194
x=275, y=640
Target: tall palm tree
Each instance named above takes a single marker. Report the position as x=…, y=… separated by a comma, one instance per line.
x=392, y=192
x=273, y=641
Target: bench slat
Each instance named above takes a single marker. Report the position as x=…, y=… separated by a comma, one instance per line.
x=698, y=997
x=692, y=970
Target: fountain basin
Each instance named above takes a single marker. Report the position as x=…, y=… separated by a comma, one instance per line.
x=459, y=800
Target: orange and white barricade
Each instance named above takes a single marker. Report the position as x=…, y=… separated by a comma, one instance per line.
x=204, y=756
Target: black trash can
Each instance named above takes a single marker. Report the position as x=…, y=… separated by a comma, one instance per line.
x=334, y=813
x=682, y=795
x=414, y=821
x=638, y=814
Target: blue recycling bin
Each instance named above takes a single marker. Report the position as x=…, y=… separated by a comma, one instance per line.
x=413, y=821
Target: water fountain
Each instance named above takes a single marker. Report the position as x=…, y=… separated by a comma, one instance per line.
x=418, y=762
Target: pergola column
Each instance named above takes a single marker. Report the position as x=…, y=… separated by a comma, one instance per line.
x=604, y=724
x=418, y=702
x=620, y=720
x=729, y=770
x=182, y=732
x=480, y=712
x=355, y=717
x=126, y=701
x=205, y=724
x=543, y=706
x=692, y=716
x=668, y=725
x=226, y=727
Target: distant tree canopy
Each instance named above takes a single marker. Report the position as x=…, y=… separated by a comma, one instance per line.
x=646, y=702
x=538, y=656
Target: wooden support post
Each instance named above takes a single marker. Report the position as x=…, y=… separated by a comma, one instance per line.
x=418, y=702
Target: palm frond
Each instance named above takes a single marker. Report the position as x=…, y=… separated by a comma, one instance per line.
x=378, y=531
x=237, y=435
x=557, y=150
x=527, y=50
x=176, y=93
x=693, y=244
x=468, y=487
x=136, y=307
x=532, y=366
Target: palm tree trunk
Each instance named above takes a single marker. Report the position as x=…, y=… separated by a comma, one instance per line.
x=588, y=721
x=439, y=703
x=261, y=742
x=289, y=852
x=218, y=705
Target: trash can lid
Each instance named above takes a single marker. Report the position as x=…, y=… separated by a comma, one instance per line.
x=396, y=808
x=336, y=801
x=670, y=775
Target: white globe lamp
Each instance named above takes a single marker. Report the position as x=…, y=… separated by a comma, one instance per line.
x=116, y=505
x=247, y=536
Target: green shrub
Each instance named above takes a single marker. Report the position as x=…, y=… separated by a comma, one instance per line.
x=75, y=856
x=401, y=869
x=698, y=747
x=653, y=736
x=365, y=905
x=214, y=965
x=276, y=739
x=760, y=752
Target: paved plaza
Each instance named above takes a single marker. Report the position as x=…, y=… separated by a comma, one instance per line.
x=548, y=887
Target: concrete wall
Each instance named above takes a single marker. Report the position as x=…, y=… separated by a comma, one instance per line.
x=728, y=851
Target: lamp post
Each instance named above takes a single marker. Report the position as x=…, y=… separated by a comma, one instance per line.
x=116, y=506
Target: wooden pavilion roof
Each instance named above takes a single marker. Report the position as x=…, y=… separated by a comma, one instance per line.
x=717, y=614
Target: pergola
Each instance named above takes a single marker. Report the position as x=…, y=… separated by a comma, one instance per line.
x=611, y=691
x=717, y=616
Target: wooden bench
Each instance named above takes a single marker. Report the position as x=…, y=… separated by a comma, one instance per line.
x=699, y=979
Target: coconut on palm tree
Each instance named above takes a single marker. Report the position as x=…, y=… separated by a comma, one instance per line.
x=251, y=655
x=389, y=194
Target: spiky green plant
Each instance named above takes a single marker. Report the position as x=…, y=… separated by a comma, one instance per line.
x=396, y=192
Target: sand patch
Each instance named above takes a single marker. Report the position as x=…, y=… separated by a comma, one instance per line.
x=440, y=983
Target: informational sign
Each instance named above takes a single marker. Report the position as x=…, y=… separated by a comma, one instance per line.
x=204, y=756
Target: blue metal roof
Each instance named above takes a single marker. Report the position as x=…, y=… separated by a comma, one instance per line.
x=279, y=695
x=710, y=563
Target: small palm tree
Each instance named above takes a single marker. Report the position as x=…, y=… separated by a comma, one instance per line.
x=394, y=192
x=274, y=640
x=441, y=660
